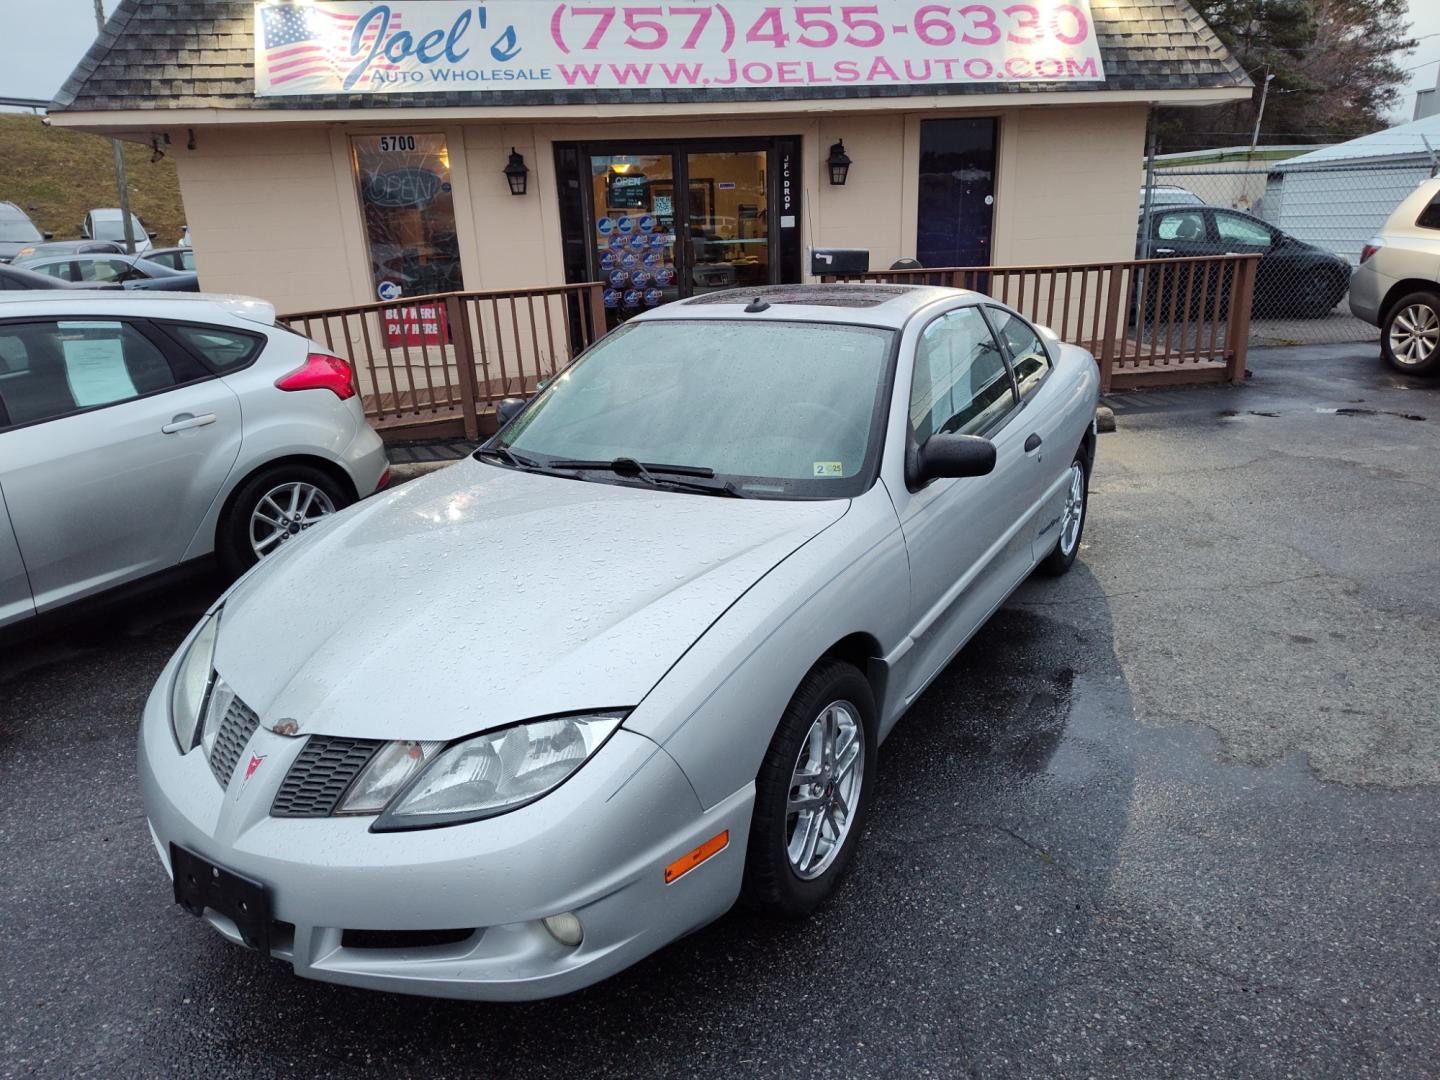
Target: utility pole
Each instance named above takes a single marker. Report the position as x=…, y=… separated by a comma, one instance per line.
x=119, y=149
x=1259, y=114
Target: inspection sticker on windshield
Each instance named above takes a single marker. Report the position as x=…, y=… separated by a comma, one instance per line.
x=829, y=468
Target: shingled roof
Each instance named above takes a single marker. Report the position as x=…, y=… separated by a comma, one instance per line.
x=199, y=54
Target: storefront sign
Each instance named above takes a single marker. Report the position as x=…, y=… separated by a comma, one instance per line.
x=419, y=46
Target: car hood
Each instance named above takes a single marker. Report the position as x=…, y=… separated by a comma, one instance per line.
x=480, y=596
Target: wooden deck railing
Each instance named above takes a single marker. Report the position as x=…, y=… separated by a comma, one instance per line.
x=433, y=367
x=1148, y=322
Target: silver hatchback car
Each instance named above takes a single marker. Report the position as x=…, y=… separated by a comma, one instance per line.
x=536, y=715
x=138, y=433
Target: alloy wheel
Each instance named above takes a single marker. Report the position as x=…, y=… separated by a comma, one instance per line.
x=1073, y=515
x=1415, y=334
x=284, y=512
x=825, y=789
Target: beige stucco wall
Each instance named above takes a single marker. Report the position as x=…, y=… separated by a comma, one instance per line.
x=274, y=211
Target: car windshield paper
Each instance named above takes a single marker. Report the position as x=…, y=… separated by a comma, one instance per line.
x=777, y=408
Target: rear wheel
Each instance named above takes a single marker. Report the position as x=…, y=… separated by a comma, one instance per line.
x=1410, y=335
x=812, y=793
x=1320, y=294
x=272, y=508
x=1072, y=520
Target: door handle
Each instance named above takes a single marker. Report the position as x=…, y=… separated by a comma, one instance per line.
x=1164, y=251
x=1033, y=443
x=185, y=422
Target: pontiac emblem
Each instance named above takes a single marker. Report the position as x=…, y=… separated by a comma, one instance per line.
x=255, y=760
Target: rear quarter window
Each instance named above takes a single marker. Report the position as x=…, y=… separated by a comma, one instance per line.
x=1430, y=216
x=221, y=349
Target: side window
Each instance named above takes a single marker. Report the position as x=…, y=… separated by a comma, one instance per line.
x=51, y=369
x=222, y=350
x=1183, y=226
x=102, y=269
x=59, y=270
x=1028, y=355
x=1234, y=229
x=961, y=385
x=1430, y=216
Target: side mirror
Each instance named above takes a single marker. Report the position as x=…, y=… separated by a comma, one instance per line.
x=152, y=234
x=48, y=235
x=955, y=456
x=508, y=409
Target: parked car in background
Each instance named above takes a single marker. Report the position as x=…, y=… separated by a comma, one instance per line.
x=1397, y=285
x=15, y=278
x=129, y=271
x=176, y=258
x=1293, y=277
x=109, y=224
x=1166, y=195
x=17, y=231
x=139, y=433
x=796, y=504
x=67, y=247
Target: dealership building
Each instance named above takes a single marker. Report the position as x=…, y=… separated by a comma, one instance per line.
x=338, y=153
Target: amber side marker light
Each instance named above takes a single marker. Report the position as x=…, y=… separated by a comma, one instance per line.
x=687, y=862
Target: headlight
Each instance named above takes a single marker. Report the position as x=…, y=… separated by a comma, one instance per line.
x=497, y=771
x=192, y=684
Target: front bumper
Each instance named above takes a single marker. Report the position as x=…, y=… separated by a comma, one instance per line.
x=597, y=847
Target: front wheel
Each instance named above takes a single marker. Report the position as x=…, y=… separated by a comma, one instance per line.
x=1410, y=335
x=812, y=793
x=1072, y=520
x=271, y=509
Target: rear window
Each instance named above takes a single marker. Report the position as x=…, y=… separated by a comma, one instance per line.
x=222, y=349
x=1430, y=217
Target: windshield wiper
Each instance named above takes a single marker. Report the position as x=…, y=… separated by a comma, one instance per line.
x=655, y=475
x=508, y=456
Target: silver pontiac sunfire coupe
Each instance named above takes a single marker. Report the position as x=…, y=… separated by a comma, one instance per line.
x=508, y=729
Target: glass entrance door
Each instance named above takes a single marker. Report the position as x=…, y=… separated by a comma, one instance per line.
x=634, y=228
x=728, y=218
x=662, y=223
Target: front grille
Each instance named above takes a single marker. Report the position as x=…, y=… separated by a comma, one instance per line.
x=236, y=728
x=402, y=939
x=320, y=775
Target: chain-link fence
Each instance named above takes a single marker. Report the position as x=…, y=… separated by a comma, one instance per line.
x=1309, y=224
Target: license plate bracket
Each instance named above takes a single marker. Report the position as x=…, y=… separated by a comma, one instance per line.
x=200, y=884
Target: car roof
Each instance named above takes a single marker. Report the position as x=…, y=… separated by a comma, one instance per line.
x=191, y=307
x=864, y=303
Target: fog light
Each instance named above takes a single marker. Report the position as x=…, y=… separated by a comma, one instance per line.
x=565, y=929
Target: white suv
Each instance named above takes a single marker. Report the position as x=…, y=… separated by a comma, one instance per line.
x=1397, y=285
x=141, y=432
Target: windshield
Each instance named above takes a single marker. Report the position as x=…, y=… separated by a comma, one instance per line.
x=777, y=409
x=16, y=228
x=114, y=228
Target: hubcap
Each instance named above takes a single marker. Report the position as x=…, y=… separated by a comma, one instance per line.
x=284, y=512
x=1074, y=513
x=824, y=789
x=1415, y=334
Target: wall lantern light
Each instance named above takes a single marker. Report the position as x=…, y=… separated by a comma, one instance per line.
x=517, y=174
x=839, y=163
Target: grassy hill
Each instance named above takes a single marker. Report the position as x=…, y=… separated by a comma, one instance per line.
x=56, y=175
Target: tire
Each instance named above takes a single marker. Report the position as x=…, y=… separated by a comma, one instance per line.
x=775, y=883
x=1320, y=294
x=1072, y=521
x=233, y=538
x=1410, y=334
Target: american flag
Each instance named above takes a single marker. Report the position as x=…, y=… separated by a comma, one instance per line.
x=311, y=44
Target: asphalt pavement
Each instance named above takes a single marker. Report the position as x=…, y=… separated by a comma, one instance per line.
x=1176, y=814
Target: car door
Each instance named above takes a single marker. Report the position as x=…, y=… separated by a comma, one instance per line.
x=115, y=446
x=1040, y=417
x=15, y=600
x=967, y=548
x=1243, y=235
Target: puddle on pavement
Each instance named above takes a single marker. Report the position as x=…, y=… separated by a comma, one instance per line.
x=1352, y=411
